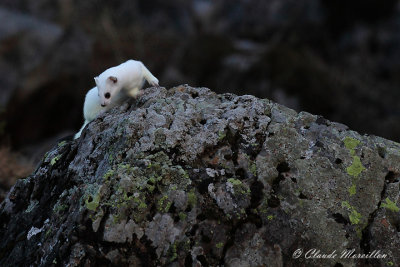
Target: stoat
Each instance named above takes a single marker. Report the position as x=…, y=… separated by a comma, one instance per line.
x=114, y=86
x=129, y=76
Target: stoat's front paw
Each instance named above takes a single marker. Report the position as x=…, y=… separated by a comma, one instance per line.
x=154, y=82
x=135, y=93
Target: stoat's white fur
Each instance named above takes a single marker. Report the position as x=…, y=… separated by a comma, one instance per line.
x=128, y=76
x=119, y=82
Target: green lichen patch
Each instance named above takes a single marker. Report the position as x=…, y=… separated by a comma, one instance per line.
x=150, y=188
x=346, y=204
x=356, y=167
x=390, y=205
x=354, y=216
x=58, y=208
x=61, y=144
x=253, y=168
x=164, y=204
x=173, y=253
x=192, y=198
x=234, y=181
x=143, y=183
x=54, y=160
x=108, y=174
x=353, y=189
x=270, y=217
x=221, y=135
x=92, y=202
x=182, y=216
x=239, y=187
x=142, y=205
x=351, y=143
x=219, y=245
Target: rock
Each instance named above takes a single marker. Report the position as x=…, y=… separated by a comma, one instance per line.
x=188, y=177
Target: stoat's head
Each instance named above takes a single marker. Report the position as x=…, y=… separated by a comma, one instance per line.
x=107, y=89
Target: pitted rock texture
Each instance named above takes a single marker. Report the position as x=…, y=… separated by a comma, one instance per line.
x=186, y=177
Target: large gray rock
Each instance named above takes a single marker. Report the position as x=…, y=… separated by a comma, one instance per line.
x=188, y=177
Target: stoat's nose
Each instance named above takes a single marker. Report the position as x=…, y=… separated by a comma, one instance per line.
x=103, y=105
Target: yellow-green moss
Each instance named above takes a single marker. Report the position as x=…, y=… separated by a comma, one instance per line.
x=390, y=205
x=270, y=217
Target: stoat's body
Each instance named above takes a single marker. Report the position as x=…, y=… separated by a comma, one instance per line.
x=114, y=86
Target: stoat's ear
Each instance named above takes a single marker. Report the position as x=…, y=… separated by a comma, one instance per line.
x=96, y=80
x=113, y=79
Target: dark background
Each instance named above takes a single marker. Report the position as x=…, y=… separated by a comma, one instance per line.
x=336, y=58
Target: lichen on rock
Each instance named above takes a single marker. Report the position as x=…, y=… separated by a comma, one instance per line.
x=187, y=177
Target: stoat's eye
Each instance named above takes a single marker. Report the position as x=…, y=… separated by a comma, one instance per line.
x=107, y=95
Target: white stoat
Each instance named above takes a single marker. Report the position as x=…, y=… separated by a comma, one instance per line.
x=128, y=76
x=114, y=86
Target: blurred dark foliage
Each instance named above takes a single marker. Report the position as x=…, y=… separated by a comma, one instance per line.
x=336, y=58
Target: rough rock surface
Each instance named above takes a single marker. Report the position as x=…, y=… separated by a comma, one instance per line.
x=187, y=177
